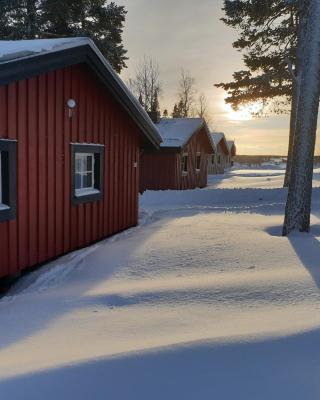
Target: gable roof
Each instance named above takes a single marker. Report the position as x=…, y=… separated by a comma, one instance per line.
x=231, y=147
x=219, y=138
x=26, y=58
x=176, y=132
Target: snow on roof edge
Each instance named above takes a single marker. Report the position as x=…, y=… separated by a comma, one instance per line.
x=24, y=49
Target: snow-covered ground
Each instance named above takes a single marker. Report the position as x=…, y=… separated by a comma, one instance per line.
x=203, y=300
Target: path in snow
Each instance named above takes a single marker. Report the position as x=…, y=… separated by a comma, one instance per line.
x=204, y=300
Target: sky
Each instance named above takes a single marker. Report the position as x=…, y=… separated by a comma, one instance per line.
x=188, y=34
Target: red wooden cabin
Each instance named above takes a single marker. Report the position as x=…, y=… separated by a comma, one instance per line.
x=70, y=138
x=181, y=162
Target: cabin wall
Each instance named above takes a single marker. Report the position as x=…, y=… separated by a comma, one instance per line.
x=34, y=112
x=162, y=170
x=218, y=167
x=158, y=171
x=195, y=179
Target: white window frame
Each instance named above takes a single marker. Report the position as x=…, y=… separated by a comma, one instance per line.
x=184, y=172
x=84, y=191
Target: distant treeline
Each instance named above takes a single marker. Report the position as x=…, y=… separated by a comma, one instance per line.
x=258, y=160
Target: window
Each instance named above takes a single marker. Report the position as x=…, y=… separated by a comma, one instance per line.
x=184, y=164
x=84, y=173
x=219, y=159
x=213, y=159
x=87, y=172
x=8, y=179
x=198, y=161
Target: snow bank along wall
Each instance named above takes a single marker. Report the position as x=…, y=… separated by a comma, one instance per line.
x=47, y=223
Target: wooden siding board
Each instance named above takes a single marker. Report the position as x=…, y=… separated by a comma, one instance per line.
x=67, y=138
x=51, y=160
x=22, y=177
x=42, y=170
x=59, y=164
x=32, y=167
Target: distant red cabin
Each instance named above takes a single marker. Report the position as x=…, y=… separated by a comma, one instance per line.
x=182, y=160
x=70, y=139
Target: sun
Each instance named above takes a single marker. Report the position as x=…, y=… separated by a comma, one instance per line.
x=245, y=113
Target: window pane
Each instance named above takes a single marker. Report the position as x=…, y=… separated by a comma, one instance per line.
x=88, y=180
x=185, y=163
x=78, y=163
x=77, y=181
x=198, y=161
x=89, y=163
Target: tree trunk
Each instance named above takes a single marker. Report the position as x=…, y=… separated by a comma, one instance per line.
x=293, y=117
x=301, y=32
x=31, y=29
x=297, y=215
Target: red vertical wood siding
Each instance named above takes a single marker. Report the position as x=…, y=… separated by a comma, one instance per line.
x=34, y=112
x=162, y=170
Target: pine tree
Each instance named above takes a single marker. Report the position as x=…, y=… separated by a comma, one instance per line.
x=298, y=206
x=101, y=21
x=19, y=19
x=176, y=113
x=155, y=104
x=268, y=38
x=165, y=113
x=141, y=100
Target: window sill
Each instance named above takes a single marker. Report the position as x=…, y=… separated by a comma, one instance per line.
x=86, y=192
x=7, y=213
x=4, y=207
x=184, y=173
x=81, y=196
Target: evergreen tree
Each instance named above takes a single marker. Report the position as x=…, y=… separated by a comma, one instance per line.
x=19, y=19
x=155, y=104
x=178, y=110
x=307, y=82
x=101, y=21
x=165, y=113
x=175, y=113
x=141, y=100
x=268, y=38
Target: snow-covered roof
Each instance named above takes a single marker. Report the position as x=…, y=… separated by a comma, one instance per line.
x=217, y=138
x=231, y=147
x=230, y=143
x=23, y=58
x=176, y=132
x=13, y=49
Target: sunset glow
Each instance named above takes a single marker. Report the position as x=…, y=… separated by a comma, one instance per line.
x=245, y=113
